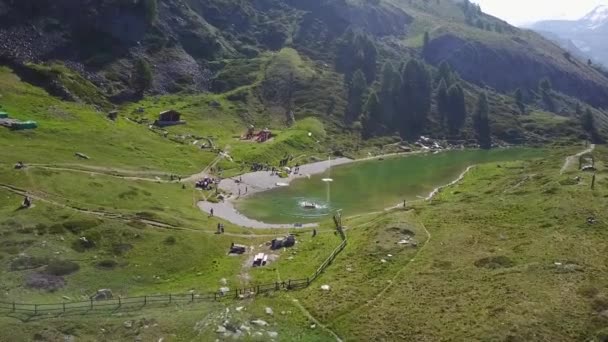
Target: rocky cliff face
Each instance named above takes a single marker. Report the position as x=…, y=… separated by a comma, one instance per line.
x=184, y=42
x=517, y=63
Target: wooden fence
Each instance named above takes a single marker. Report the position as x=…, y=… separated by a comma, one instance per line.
x=164, y=299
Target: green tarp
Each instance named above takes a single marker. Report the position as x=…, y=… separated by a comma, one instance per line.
x=25, y=125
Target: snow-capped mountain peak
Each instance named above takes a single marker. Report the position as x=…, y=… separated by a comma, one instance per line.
x=596, y=18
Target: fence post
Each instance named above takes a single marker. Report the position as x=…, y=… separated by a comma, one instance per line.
x=145, y=300
x=35, y=309
x=119, y=302
x=307, y=282
x=192, y=294
x=169, y=298
x=276, y=286
x=289, y=284
x=257, y=291
x=214, y=296
x=64, y=307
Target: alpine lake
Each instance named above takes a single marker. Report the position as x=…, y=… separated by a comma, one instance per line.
x=370, y=185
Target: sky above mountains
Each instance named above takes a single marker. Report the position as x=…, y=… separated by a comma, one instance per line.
x=523, y=12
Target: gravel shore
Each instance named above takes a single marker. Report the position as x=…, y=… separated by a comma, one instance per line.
x=258, y=181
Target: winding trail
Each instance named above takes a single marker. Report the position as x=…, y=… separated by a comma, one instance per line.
x=307, y=313
x=109, y=173
x=570, y=159
x=394, y=278
x=127, y=218
x=205, y=172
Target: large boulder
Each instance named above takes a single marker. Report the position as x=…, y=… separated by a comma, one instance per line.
x=103, y=294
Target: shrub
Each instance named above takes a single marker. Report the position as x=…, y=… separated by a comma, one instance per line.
x=121, y=248
x=76, y=227
x=27, y=262
x=143, y=77
x=83, y=244
x=56, y=229
x=59, y=267
x=150, y=10
x=107, y=264
x=495, y=262
x=41, y=229
x=588, y=291
x=600, y=304
x=170, y=240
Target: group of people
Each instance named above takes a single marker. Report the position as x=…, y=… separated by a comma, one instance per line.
x=205, y=183
x=260, y=167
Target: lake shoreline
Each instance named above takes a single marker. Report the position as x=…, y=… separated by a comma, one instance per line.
x=251, y=183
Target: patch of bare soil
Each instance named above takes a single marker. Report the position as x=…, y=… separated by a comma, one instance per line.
x=43, y=281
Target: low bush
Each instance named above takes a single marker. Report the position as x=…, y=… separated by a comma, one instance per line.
x=107, y=264
x=77, y=227
x=60, y=267
x=495, y=262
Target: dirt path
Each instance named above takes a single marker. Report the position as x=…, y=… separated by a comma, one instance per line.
x=125, y=218
x=109, y=173
x=571, y=159
x=101, y=169
x=307, y=313
x=394, y=278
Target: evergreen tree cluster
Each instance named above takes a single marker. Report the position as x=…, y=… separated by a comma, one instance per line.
x=474, y=17
x=403, y=101
x=356, y=51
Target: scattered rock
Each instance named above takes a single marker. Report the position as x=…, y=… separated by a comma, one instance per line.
x=325, y=287
x=223, y=281
x=103, y=294
x=224, y=290
x=81, y=155
x=220, y=329
x=128, y=324
x=269, y=311
x=239, y=308
x=259, y=322
x=245, y=328
x=383, y=260
x=349, y=269
x=272, y=334
x=313, y=326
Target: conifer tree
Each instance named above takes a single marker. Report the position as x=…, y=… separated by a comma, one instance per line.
x=482, y=123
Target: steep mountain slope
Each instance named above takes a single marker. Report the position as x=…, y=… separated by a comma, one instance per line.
x=127, y=50
x=588, y=34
